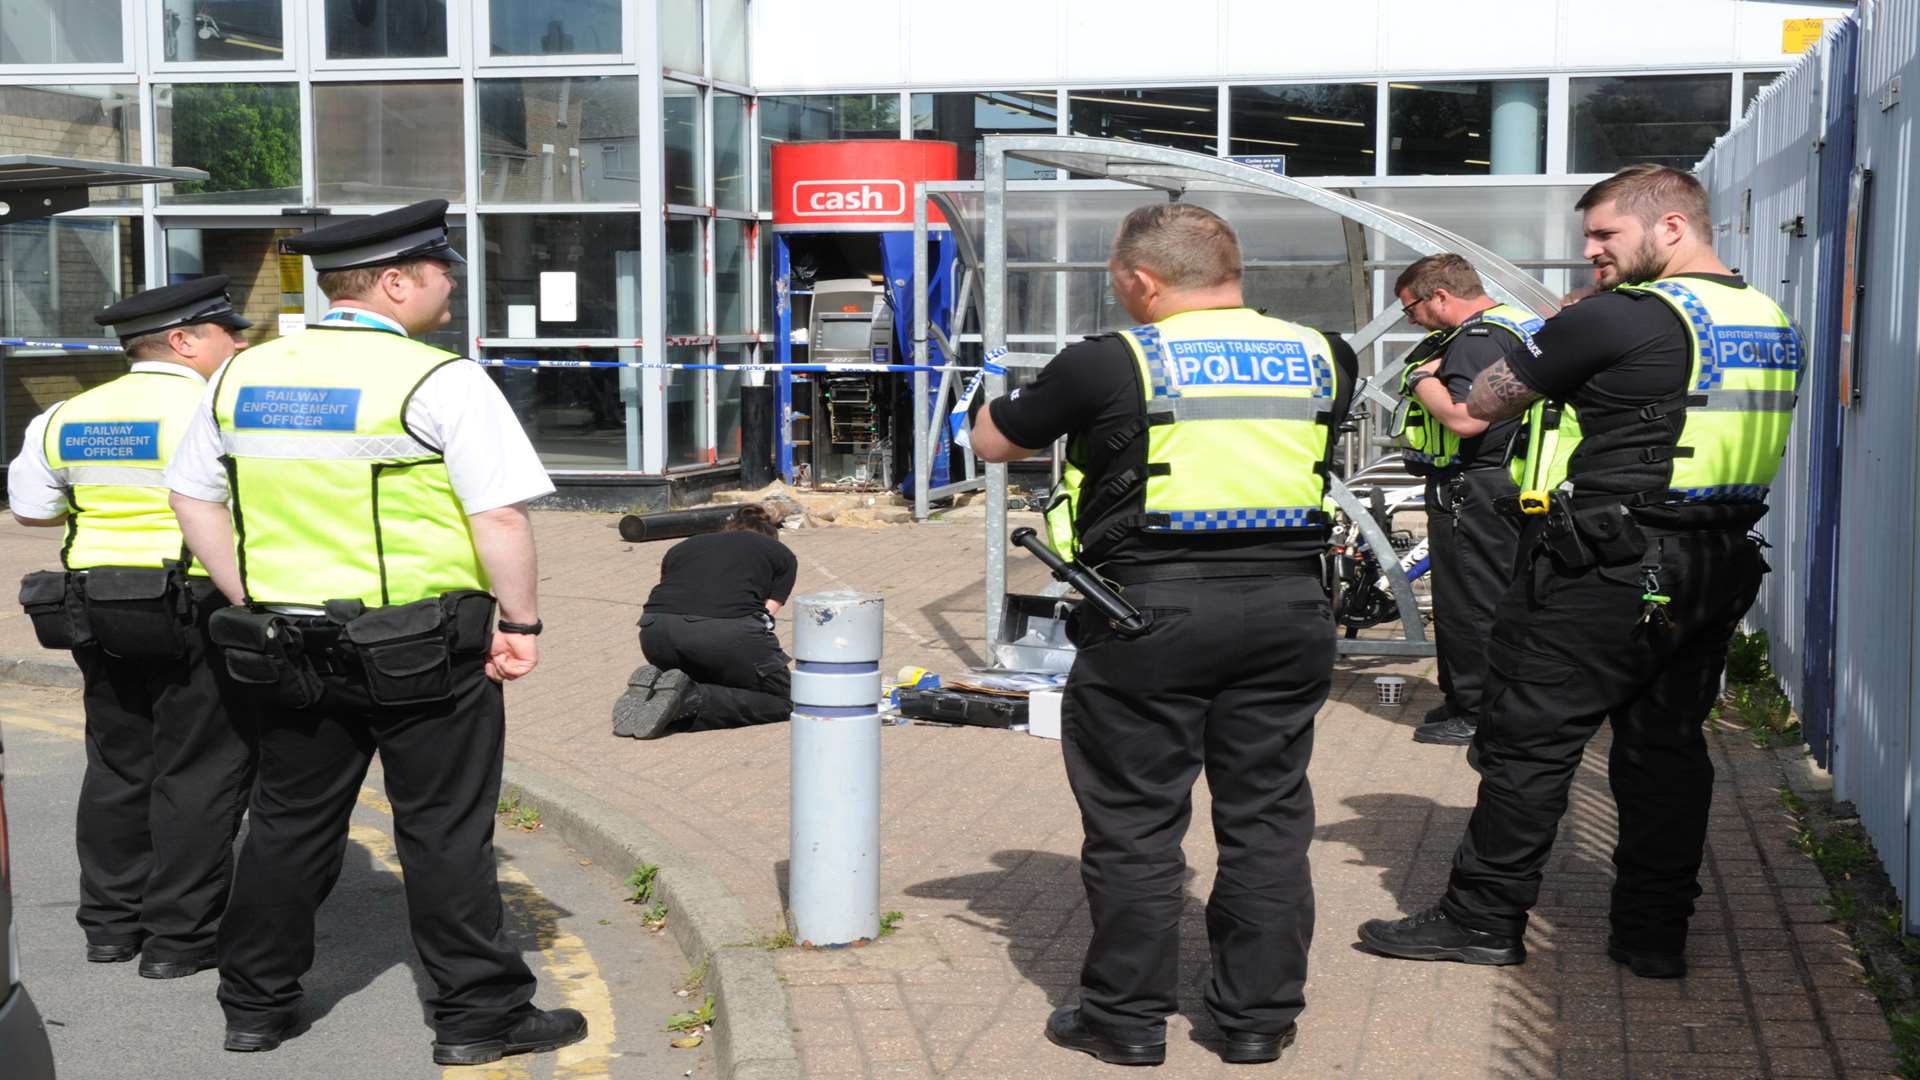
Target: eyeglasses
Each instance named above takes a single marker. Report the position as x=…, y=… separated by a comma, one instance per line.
x=1407, y=309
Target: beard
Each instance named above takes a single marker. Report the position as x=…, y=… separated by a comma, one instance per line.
x=1643, y=264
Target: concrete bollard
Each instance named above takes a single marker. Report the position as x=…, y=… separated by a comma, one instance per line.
x=833, y=873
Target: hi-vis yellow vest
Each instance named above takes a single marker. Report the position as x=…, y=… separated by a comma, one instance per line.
x=1719, y=441
x=110, y=445
x=333, y=498
x=1234, y=411
x=1425, y=440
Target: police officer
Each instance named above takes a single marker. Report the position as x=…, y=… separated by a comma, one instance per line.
x=377, y=488
x=1472, y=546
x=1194, y=481
x=169, y=765
x=1639, y=566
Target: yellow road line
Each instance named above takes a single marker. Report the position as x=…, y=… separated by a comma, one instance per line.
x=569, y=967
x=45, y=727
x=380, y=846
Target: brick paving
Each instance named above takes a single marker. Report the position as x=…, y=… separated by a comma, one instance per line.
x=980, y=842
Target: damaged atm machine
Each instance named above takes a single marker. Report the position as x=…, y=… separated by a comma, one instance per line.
x=843, y=274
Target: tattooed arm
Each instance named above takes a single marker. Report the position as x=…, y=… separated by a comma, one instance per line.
x=1498, y=393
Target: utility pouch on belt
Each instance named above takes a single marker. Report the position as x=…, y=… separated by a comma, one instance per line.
x=53, y=604
x=139, y=612
x=469, y=621
x=1611, y=533
x=263, y=649
x=405, y=651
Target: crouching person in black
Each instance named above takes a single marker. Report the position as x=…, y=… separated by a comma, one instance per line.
x=713, y=660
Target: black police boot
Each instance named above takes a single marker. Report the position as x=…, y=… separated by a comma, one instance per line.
x=1432, y=935
x=535, y=1032
x=1253, y=1048
x=116, y=952
x=151, y=968
x=653, y=701
x=260, y=1040
x=1435, y=715
x=1647, y=965
x=1066, y=1028
x=1453, y=731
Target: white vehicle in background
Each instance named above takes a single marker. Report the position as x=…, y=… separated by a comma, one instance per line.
x=35, y=186
x=23, y=1037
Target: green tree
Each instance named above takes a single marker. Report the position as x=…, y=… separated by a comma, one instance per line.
x=246, y=137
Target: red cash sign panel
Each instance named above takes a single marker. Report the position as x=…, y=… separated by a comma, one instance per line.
x=822, y=185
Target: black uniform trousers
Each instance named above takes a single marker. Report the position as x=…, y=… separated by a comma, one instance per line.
x=442, y=766
x=737, y=665
x=1569, y=651
x=169, y=769
x=1227, y=679
x=1472, y=549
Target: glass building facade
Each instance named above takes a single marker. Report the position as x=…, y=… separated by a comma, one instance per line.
x=607, y=162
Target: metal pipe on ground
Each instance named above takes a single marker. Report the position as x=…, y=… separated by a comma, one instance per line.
x=673, y=524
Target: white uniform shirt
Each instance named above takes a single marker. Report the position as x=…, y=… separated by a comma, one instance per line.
x=457, y=409
x=32, y=489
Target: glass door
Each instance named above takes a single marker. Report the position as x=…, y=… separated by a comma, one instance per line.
x=273, y=290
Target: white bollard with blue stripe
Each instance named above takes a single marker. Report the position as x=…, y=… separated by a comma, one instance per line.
x=833, y=873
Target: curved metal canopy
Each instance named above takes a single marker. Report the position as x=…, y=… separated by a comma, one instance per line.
x=981, y=229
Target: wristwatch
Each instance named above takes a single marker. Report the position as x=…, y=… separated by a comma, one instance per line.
x=531, y=629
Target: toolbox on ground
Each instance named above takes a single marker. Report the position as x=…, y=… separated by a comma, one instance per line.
x=970, y=707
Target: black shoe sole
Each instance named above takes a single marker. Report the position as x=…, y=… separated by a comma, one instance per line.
x=480, y=1053
x=1111, y=1053
x=254, y=1042
x=111, y=954
x=1241, y=1054
x=1487, y=955
x=174, y=969
x=1436, y=739
x=648, y=708
x=1649, y=967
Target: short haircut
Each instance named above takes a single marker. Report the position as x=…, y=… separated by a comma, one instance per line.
x=154, y=345
x=752, y=517
x=357, y=282
x=1649, y=191
x=1187, y=246
x=1431, y=273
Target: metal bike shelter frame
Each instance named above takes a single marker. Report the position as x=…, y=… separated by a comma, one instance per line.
x=982, y=242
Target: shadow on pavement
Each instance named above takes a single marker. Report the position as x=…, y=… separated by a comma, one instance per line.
x=968, y=605
x=1036, y=903
x=359, y=933
x=1386, y=830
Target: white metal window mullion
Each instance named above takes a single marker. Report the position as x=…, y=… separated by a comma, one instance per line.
x=1223, y=104
x=653, y=231
x=1382, y=139
x=1559, y=125
x=709, y=380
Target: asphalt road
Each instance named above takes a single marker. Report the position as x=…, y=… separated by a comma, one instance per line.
x=587, y=947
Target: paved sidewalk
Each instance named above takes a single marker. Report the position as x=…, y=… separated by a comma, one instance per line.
x=980, y=840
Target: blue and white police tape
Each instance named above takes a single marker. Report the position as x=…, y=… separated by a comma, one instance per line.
x=957, y=420
x=512, y=362
x=831, y=369
x=63, y=346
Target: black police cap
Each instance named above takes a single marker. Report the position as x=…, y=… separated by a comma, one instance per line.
x=202, y=300
x=411, y=232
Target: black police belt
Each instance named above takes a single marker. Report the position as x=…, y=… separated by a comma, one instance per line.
x=1143, y=573
x=132, y=612
x=401, y=654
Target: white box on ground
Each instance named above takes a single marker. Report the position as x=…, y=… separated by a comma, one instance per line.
x=1043, y=713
